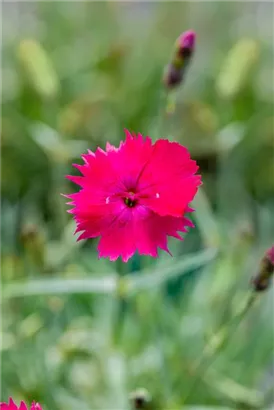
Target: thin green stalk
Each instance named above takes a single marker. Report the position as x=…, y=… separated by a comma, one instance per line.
x=160, y=332
x=217, y=342
x=162, y=114
x=121, y=306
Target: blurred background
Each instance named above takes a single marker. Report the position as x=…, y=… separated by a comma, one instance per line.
x=83, y=333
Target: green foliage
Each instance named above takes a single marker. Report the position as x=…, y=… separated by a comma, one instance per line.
x=79, y=332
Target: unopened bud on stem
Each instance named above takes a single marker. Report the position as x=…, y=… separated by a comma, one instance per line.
x=262, y=279
x=184, y=49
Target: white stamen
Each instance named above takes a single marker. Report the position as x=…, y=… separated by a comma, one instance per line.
x=107, y=200
x=157, y=195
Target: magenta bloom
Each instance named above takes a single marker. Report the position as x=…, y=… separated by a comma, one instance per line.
x=12, y=406
x=134, y=196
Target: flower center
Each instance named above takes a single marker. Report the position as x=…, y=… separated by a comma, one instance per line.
x=130, y=200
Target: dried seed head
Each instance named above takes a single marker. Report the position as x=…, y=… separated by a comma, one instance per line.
x=262, y=279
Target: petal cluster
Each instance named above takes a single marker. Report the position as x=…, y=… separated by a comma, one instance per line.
x=133, y=197
x=22, y=406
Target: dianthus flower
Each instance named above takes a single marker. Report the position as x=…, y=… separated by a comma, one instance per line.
x=134, y=196
x=12, y=406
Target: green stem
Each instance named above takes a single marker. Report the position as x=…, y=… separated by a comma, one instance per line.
x=217, y=342
x=162, y=114
x=120, y=309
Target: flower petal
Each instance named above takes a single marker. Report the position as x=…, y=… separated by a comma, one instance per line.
x=12, y=405
x=153, y=232
x=35, y=406
x=131, y=157
x=5, y=406
x=92, y=217
x=99, y=176
x=167, y=183
x=118, y=239
x=140, y=230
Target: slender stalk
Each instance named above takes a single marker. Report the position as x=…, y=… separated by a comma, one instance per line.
x=219, y=341
x=121, y=305
x=162, y=113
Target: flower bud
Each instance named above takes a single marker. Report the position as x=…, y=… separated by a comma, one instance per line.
x=262, y=280
x=185, y=45
x=184, y=49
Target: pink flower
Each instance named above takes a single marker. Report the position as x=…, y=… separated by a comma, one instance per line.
x=134, y=196
x=12, y=406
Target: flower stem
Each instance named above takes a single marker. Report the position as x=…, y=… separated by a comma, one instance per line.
x=121, y=306
x=163, y=113
x=219, y=341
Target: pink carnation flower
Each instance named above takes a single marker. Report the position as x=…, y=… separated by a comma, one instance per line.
x=134, y=196
x=12, y=406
